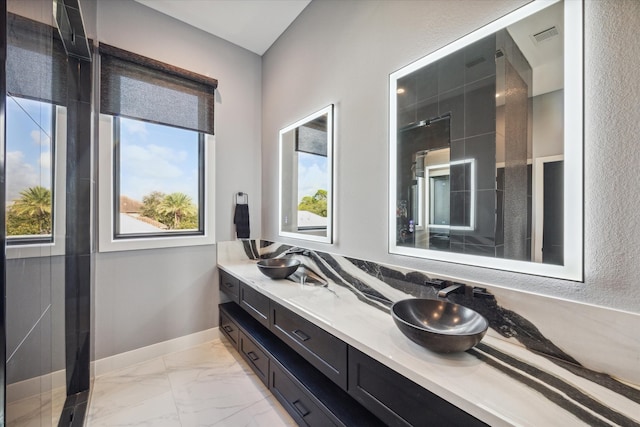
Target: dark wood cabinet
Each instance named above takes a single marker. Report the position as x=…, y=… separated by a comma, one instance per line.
x=254, y=303
x=229, y=328
x=255, y=357
x=397, y=400
x=324, y=351
x=298, y=403
x=305, y=392
x=229, y=285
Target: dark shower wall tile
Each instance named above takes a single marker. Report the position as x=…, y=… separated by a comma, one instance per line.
x=485, y=214
x=453, y=102
x=471, y=239
x=427, y=108
x=480, y=107
x=483, y=150
x=457, y=248
x=460, y=208
x=406, y=116
x=451, y=71
x=406, y=100
x=456, y=151
x=426, y=82
x=481, y=250
x=480, y=59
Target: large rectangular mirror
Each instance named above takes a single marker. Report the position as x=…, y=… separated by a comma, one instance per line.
x=306, y=177
x=486, y=146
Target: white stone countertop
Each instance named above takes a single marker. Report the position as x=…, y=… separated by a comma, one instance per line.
x=462, y=379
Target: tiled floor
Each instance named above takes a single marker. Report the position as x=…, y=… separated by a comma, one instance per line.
x=208, y=385
x=36, y=411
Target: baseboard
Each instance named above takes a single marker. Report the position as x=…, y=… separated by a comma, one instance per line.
x=133, y=357
x=35, y=386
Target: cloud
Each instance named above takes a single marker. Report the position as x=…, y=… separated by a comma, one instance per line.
x=155, y=168
x=22, y=175
x=312, y=176
x=134, y=127
x=40, y=138
x=45, y=160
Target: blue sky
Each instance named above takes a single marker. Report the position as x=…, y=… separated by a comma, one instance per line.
x=312, y=174
x=157, y=158
x=28, y=158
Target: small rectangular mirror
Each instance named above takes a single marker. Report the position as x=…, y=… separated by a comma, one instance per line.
x=306, y=178
x=485, y=146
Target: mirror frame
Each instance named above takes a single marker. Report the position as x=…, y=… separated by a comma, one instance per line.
x=573, y=147
x=329, y=111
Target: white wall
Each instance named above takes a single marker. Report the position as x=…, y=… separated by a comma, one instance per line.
x=149, y=296
x=343, y=53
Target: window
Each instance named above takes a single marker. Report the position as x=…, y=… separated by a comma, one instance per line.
x=35, y=139
x=156, y=127
x=159, y=179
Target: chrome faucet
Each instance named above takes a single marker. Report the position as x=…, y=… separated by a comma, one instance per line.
x=457, y=288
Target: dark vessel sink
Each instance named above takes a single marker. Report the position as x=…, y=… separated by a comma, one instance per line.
x=278, y=268
x=440, y=326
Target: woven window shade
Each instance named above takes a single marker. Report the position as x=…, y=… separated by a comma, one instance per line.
x=141, y=88
x=36, y=61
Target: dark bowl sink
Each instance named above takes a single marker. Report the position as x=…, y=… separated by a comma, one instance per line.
x=440, y=326
x=278, y=268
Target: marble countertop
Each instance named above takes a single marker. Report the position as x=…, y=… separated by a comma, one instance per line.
x=479, y=386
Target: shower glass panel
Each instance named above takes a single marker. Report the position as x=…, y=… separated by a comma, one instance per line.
x=35, y=137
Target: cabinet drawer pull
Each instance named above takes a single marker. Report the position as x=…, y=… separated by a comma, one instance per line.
x=227, y=328
x=300, y=408
x=253, y=356
x=228, y=285
x=301, y=335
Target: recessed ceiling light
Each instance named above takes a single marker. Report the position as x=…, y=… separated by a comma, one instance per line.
x=400, y=90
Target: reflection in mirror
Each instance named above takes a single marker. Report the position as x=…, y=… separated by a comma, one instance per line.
x=486, y=147
x=306, y=172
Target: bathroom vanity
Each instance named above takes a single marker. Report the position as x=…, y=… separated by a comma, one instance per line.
x=317, y=377
x=335, y=353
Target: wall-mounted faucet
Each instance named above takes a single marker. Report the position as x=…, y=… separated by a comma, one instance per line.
x=456, y=288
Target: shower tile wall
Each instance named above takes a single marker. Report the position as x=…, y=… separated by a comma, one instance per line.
x=462, y=84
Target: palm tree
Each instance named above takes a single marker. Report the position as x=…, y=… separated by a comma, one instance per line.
x=35, y=203
x=178, y=205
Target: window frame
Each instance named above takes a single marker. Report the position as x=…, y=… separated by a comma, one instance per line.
x=33, y=247
x=107, y=242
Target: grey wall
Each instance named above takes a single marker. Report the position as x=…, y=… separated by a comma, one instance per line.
x=149, y=296
x=343, y=53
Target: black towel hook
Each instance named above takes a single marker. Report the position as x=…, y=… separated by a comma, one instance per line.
x=242, y=198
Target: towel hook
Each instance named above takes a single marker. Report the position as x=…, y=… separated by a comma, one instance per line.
x=242, y=198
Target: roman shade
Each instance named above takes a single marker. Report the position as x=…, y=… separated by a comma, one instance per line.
x=145, y=89
x=36, y=61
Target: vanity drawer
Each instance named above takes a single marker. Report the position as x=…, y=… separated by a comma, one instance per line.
x=254, y=303
x=398, y=401
x=229, y=285
x=296, y=401
x=324, y=351
x=256, y=358
x=229, y=328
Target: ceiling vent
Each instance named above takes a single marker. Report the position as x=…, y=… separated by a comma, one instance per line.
x=545, y=35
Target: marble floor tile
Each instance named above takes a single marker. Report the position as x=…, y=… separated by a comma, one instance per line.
x=37, y=411
x=207, y=385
